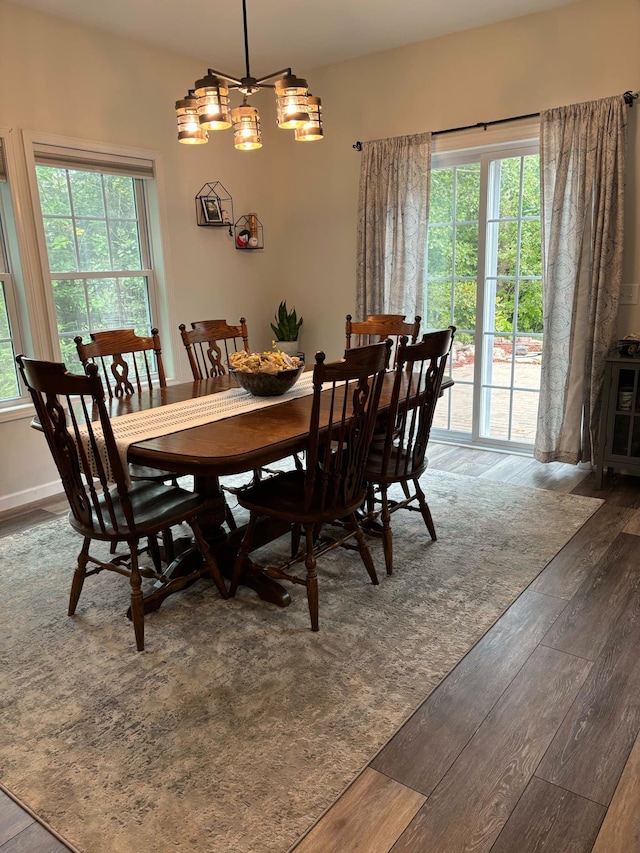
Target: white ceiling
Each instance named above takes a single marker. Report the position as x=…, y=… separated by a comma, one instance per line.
x=295, y=33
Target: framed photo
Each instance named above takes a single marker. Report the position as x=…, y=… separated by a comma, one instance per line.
x=211, y=209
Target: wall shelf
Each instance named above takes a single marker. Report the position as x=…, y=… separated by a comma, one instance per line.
x=214, y=207
x=249, y=234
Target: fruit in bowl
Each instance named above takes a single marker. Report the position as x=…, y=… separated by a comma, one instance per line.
x=265, y=374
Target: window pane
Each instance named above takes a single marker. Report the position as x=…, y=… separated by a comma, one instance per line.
x=461, y=402
x=69, y=353
x=531, y=186
x=527, y=363
x=509, y=171
x=61, y=246
x=134, y=296
x=86, y=191
x=468, y=192
x=71, y=305
x=10, y=343
x=9, y=387
x=54, y=191
x=466, y=250
x=441, y=196
x=104, y=299
x=530, y=306
x=121, y=203
x=4, y=314
x=531, y=248
x=464, y=311
x=438, y=304
x=440, y=251
x=504, y=306
x=93, y=246
x=525, y=416
x=119, y=303
x=507, y=248
x=125, y=245
x=497, y=406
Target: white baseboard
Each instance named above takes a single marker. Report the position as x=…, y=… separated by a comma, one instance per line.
x=29, y=496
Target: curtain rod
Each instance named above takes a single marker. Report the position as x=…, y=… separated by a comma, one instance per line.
x=629, y=98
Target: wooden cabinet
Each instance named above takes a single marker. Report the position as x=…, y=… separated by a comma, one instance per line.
x=619, y=443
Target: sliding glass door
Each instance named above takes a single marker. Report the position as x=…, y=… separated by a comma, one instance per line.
x=485, y=278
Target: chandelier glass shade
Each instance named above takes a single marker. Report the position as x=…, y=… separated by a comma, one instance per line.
x=189, y=129
x=206, y=107
x=246, y=128
x=213, y=103
x=292, y=102
x=312, y=130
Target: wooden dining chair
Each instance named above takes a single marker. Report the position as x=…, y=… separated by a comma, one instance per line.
x=380, y=327
x=331, y=486
x=70, y=408
x=209, y=343
x=128, y=362
x=398, y=455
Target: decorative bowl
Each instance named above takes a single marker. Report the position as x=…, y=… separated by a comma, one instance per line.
x=629, y=347
x=263, y=384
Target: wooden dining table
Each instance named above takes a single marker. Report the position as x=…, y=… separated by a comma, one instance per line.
x=241, y=443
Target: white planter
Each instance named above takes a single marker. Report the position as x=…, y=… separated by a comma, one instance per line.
x=290, y=347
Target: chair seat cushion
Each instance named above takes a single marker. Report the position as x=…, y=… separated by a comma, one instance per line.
x=156, y=506
x=283, y=497
x=375, y=471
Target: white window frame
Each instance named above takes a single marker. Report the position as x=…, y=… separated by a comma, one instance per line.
x=12, y=278
x=85, y=155
x=153, y=241
x=483, y=146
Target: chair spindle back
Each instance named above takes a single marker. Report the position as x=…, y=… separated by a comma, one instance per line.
x=209, y=343
x=345, y=395
x=71, y=412
x=419, y=372
x=380, y=327
x=128, y=361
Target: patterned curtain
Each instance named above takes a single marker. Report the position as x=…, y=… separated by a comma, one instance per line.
x=582, y=158
x=392, y=225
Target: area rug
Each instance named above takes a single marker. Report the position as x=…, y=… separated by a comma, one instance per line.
x=238, y=726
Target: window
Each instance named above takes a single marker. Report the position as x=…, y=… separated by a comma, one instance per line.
x=94, y=212
x=10, y=390
x=485, y=276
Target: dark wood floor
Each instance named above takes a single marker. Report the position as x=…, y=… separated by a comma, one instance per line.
x=531, y=743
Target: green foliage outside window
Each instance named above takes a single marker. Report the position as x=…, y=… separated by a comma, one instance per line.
x=453, y=248
x=9, y=387
x=91, y=224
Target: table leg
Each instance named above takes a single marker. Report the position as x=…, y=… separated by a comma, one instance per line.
x=187, y=566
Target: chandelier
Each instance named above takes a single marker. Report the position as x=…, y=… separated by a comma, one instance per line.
x=206, y=107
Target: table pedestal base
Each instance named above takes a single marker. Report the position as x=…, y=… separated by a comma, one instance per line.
x=187, y=567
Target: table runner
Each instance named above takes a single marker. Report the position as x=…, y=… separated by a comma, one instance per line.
x=151, y=423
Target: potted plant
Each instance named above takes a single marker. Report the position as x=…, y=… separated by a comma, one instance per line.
x=286, y=329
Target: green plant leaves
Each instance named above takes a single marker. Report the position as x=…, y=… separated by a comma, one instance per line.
x=288, y=324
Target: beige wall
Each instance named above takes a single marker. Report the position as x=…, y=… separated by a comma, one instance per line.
x=584, y=51
x=75, y=81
